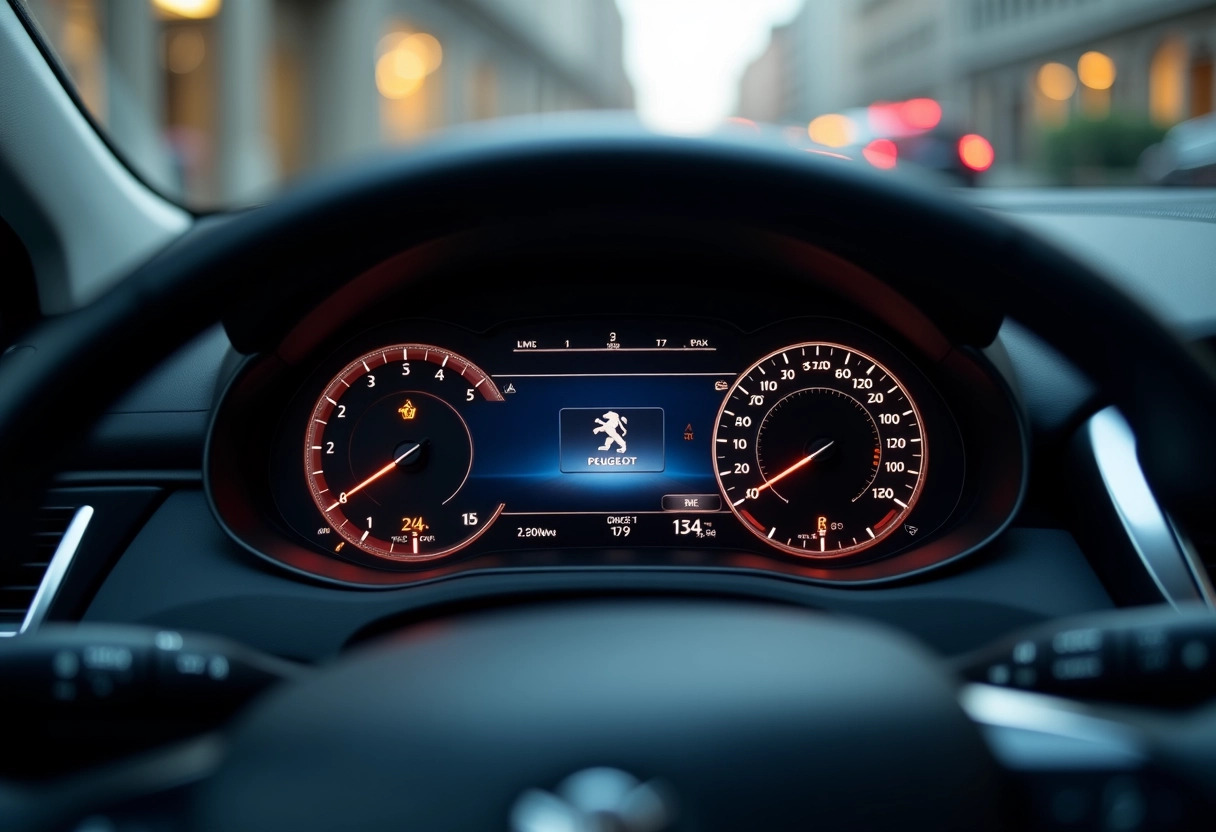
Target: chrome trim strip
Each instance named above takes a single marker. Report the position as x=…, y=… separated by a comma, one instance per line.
x=56, y=569
x=1199, y=572
x=1169, y=563
x=1035, y=732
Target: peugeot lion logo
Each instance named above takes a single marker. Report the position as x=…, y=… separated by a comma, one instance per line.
x=595, y=800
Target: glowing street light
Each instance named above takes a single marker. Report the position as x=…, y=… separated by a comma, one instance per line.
x=1096, y=71
x=832, y=130
x=1057, y=81
x=406, y=58
x=190, y=9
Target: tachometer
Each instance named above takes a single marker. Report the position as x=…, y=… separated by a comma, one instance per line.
x=387, y=453
x=820, y=450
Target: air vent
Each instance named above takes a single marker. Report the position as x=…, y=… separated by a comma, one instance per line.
x=26, y=590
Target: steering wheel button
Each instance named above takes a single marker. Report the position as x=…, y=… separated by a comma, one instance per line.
x=1194, y=655
x=999, y=674
x=1024, y=652
x=1077, y=641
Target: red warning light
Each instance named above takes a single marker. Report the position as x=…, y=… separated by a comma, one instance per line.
x=976, y=152
x=881, y=153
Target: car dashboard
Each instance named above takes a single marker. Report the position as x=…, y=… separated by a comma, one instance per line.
x=237, y=497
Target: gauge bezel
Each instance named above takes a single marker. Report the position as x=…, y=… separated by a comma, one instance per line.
x=878, y=531
x=333, y=508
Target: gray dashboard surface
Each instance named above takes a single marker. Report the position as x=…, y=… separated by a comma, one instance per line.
x=182, y=572
x=1158, y=245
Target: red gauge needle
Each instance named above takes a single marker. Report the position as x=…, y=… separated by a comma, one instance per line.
x=378, y=474
x=795, y=466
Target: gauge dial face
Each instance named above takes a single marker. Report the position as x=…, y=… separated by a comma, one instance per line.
x=819, y=450
x=387, y=453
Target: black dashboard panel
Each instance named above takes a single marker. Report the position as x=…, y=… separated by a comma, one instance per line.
x=376, y=448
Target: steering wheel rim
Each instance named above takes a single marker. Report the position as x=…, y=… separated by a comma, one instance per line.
x=284, y=255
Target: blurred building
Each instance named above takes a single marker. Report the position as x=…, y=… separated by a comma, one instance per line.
x=799, y=74
x=895, y=49
x=1008, y=69
x=222, y=99
x=1022, y=66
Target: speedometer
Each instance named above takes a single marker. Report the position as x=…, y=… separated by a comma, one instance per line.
x=819, y=450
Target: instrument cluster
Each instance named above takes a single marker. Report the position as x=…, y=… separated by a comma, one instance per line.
x=419, y=449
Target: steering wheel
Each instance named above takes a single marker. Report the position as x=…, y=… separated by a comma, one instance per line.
x=751, y=716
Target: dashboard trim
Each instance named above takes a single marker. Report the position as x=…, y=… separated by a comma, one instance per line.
x=1168, y=562
x=56, y=570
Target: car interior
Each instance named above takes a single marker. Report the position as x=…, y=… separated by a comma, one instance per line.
x=570, y=476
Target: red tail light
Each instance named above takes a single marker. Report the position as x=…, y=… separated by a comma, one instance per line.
x=881, y=153
x=975, y=152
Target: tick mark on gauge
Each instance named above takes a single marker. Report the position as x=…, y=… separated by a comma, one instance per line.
x=364, y=363
x=872, y=366
x=736, y=502
x=772, y=532
x=364, y=537
x=744, y=391
x=331, y=401
x=899, y=502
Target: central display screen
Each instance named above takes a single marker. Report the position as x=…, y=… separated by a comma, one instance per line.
x=632, y=439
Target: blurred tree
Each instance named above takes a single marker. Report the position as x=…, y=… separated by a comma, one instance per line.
x=1097, y=151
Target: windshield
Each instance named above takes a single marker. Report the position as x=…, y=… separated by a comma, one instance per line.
x=220, y=102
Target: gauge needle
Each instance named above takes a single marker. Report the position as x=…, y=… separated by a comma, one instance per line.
x=795, y=466
x=382, y=471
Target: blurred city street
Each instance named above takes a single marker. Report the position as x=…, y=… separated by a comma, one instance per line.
x=220, y=102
